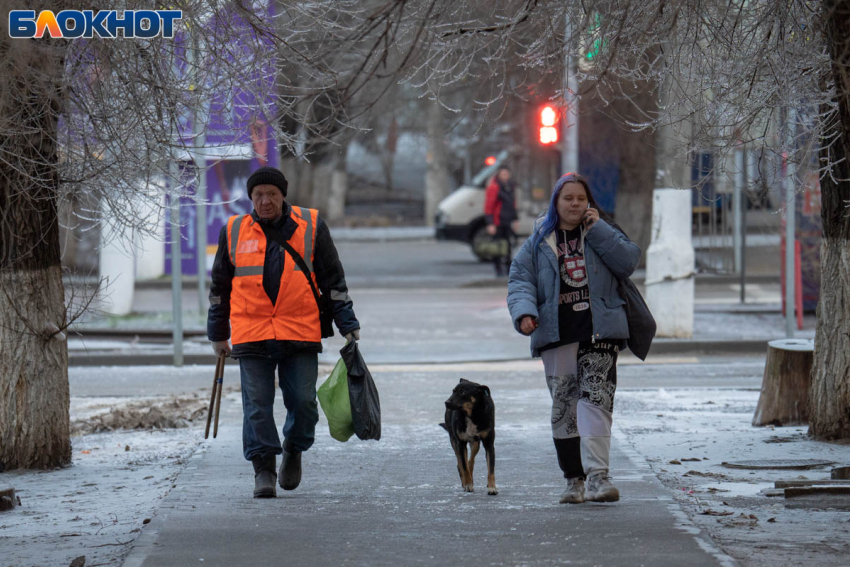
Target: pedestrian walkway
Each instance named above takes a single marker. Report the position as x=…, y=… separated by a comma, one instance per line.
x=399, y=502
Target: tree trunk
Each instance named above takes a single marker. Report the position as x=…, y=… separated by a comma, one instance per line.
x=637, y=180
x=34, y=395
x=637, y=164
x=321, y=186
x=388, y=154
x=304, y=184
x=339, y=185
x=784, y=398
x=8, y=500
x=829, y=398
x=437, y=176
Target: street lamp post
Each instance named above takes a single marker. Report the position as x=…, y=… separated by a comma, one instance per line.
x=569, y=146
x=176, y=266
x=199, y=139
x=790, y=227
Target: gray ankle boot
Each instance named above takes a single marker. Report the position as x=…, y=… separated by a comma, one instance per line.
x=264, y=476
x=290, y=468
x=601, y=489
x=595, y=452
x=574, y=494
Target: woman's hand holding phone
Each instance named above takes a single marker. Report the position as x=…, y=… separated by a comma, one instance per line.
x=590, y=217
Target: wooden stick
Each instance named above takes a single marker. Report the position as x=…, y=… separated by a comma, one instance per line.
x=222, y=358
x=212, y=397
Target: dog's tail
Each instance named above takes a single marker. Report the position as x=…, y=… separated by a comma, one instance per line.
x=444, y=426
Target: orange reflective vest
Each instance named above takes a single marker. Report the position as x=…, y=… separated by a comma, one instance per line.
x=295, y=315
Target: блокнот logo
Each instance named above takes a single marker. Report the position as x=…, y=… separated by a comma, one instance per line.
x=88, y=23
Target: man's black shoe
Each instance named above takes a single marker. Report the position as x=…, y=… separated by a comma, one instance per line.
x=264, y=476
x=290, y=468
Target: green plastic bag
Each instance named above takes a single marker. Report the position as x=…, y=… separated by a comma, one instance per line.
x=333, y=395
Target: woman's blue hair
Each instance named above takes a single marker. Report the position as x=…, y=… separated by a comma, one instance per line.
x=551, y=219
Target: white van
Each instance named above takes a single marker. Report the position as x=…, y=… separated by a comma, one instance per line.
x=460, y=216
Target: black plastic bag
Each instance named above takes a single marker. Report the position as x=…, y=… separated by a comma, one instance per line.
x=363, y=394
x=641, y=323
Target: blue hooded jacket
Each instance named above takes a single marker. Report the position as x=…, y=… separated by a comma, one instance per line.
x=535, y=283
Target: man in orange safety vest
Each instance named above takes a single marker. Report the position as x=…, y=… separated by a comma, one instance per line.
x=261, y=299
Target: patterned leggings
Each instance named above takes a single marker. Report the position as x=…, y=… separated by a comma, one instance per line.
x=582, y=379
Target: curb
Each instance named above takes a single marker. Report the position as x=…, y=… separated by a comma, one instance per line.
x=383, y=234
x=158, y=336
x=708, y=346
x=660, y=347
x=191, y=282
x=699, y=280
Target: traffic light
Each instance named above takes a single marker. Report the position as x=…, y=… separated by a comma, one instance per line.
x=548, y=130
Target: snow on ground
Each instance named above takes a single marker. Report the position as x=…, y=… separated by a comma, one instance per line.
x=686, y=435
x=96, y=507
x=101, y=414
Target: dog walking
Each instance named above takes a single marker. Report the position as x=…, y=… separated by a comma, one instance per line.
x=562, y=292
x=264, y=298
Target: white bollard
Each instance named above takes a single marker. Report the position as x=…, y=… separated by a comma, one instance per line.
x=670, y=264
x=117, y=272
x=150, y=246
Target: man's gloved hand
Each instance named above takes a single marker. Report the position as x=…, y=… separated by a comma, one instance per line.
x=221, y=346
x=353, y=335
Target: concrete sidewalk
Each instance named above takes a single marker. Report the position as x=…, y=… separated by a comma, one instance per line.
x=399, y=502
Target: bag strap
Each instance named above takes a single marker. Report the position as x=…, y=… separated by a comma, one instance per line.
x=278, y=237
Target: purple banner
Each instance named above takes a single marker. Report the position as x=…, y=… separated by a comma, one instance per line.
x=227, y=196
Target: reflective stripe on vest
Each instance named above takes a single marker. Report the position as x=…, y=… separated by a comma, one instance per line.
x=253, y=317
x=308, y=238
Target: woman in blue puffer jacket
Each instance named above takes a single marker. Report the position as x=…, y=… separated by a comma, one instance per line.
x=562, y=291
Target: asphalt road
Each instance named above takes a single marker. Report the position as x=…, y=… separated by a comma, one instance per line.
x=438, y=324
x=430, y=263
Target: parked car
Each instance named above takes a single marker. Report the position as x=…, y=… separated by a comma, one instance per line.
x=460, y=216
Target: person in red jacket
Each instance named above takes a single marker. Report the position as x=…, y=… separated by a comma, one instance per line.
x=501, y=215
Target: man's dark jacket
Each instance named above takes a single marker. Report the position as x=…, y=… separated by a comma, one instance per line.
x=329, y=272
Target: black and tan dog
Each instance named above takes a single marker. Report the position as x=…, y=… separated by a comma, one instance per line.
x=471, y=418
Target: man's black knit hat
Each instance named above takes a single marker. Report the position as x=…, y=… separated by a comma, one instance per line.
x=268, y=175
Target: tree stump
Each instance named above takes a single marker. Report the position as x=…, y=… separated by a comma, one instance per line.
x=784, y=398
x=7, y=499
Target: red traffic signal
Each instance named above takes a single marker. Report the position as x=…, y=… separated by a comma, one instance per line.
x=548, y=130
x=490, y=160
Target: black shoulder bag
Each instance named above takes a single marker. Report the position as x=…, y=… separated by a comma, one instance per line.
x=324, y=304
x=641, y=323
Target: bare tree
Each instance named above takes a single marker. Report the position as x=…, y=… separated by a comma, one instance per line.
x=720, y=73
x=829, y=398
x=34, y=428
x=704, y=75
x=732, y=70
x=436, y=178
x=103, y=121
